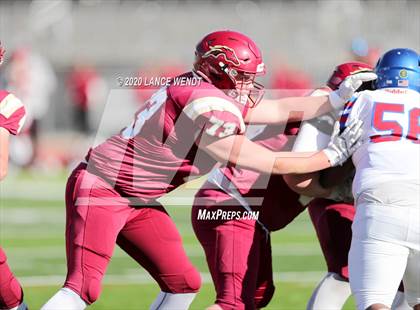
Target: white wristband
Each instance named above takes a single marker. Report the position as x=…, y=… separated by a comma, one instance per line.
x=336, y=101
x=332, y=156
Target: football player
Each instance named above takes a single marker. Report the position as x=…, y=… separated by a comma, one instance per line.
x=182, y=131
x=233, y=245
x=385, y=246
x=12, y=118
x=238, y=250
x=333, y=212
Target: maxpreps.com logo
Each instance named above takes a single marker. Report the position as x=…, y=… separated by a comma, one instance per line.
x=228, y=54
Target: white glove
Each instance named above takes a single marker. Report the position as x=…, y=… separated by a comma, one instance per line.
x=348, y=87
x=343, y=145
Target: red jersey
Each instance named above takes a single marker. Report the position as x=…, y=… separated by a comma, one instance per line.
x=158, y=151
x=12, y=112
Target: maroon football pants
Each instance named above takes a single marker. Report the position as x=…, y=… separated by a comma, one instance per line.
x=238, y=254
x=11, y=294
x=332, y=221
x=98, y=218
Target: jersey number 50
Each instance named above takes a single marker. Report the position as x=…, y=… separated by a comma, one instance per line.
x=393, y=127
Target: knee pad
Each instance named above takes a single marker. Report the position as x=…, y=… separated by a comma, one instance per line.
x=187, y=282
x=92, y=291
x=89, y=291
x=193, y=278
x=11, y=294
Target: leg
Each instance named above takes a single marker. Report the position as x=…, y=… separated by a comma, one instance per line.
x=11, y=294
x=151, y=238
x=232, y=249
x=265, y=284
x=323, y=299
x=332, y=222
x=412, y=273
x=411, y=279
x=94, y=219
x=373, y=283
x=400, y=303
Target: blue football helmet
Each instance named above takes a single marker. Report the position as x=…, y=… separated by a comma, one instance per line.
x=398, y=67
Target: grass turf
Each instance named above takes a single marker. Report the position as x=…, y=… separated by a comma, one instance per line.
x=32, y=234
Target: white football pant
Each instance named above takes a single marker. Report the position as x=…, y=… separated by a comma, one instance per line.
x=385, y=249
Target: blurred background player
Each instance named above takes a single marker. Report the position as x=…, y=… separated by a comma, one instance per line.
x=31, y=77
x=289, y=80
x=333, y=212
x=238, y=251
x=181, y=132
x=85, y=88
x=12, y=118
x=386, y=225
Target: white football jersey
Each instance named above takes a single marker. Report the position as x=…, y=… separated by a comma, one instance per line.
x=390, y=152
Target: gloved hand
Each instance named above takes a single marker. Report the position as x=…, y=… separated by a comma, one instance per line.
x=343, y=145
x=348, y=87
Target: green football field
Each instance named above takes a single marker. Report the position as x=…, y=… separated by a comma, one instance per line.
x=32, y=217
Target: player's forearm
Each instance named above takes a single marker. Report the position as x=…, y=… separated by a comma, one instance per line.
x=306, y=184
x=240, y=151
x=288, y=110
x=299, y=163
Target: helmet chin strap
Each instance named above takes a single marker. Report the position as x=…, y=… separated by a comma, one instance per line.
x=202, y=75
x=237, y=95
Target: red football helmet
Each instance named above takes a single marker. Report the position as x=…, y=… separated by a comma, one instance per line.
x=344, y=70
x=231, y=61
x=2, y=51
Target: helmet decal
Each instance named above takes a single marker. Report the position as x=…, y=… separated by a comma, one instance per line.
x=228, y=54
x=403, y=73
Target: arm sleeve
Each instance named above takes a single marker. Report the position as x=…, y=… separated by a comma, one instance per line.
x=12, y=114
x=314, y=134
x=310, y=139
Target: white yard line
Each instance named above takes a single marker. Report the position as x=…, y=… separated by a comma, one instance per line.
x=282, y=277
x=291, y=249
